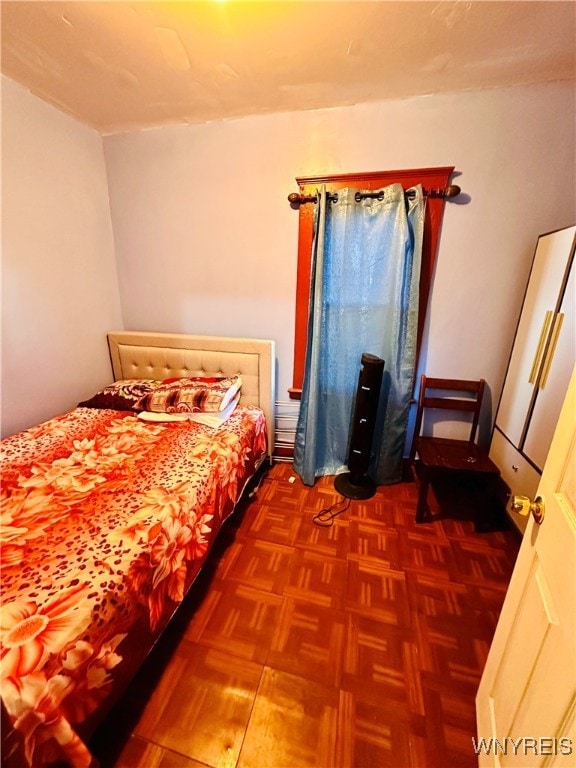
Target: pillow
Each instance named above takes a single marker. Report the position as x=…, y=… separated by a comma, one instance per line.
x=215, y=418
x=208, y=419
x=122, y=395
x=194, y=395
x=203, y=379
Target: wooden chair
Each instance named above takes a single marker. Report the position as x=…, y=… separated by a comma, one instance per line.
x=433, y=457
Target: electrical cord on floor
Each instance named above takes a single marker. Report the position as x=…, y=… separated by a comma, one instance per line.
x=263, y=470
x=256, y=488
x=325, y=518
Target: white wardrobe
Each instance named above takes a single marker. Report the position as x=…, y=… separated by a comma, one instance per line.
x=539, y=369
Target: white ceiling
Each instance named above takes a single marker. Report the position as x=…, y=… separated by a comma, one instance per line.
x=119, y=66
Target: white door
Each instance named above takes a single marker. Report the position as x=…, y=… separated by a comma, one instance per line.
x=526, y=701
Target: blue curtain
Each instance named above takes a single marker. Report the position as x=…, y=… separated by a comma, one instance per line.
x=365, y=274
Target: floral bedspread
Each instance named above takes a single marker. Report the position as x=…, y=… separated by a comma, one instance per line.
x=105, y=522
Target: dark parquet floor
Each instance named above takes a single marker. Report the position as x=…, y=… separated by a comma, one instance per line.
x=359, y=645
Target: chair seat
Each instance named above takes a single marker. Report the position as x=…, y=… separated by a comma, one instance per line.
x=434, y=458
x=458, y=455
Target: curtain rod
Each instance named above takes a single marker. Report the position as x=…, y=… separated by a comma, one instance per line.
x=296, y=199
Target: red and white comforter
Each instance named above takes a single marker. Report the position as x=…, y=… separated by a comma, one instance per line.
x=105, y=522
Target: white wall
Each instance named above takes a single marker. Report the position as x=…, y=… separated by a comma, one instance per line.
x=59, y=282
x=206, y=240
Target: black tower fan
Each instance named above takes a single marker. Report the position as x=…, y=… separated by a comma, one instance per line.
x=356, y=484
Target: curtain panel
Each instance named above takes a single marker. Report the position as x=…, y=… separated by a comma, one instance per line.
x=363, y=298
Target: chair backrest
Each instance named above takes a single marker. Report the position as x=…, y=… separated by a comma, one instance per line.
x=450, y=395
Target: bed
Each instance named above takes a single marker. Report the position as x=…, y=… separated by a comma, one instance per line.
x=108, y=515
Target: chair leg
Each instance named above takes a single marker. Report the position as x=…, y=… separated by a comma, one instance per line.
x=422, y=511
x=490, y=512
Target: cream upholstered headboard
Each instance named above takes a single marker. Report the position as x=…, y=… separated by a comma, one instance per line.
x=143, y=355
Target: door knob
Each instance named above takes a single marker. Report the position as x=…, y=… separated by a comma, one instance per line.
x=524, y=506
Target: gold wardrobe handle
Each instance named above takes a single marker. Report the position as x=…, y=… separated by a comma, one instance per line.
x=556, y=327
x=540, y=348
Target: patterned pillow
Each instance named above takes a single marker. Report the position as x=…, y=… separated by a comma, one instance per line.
x=122, y=395
x=192, y=395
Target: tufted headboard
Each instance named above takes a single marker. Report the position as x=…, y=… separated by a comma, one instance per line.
x=136, y=354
